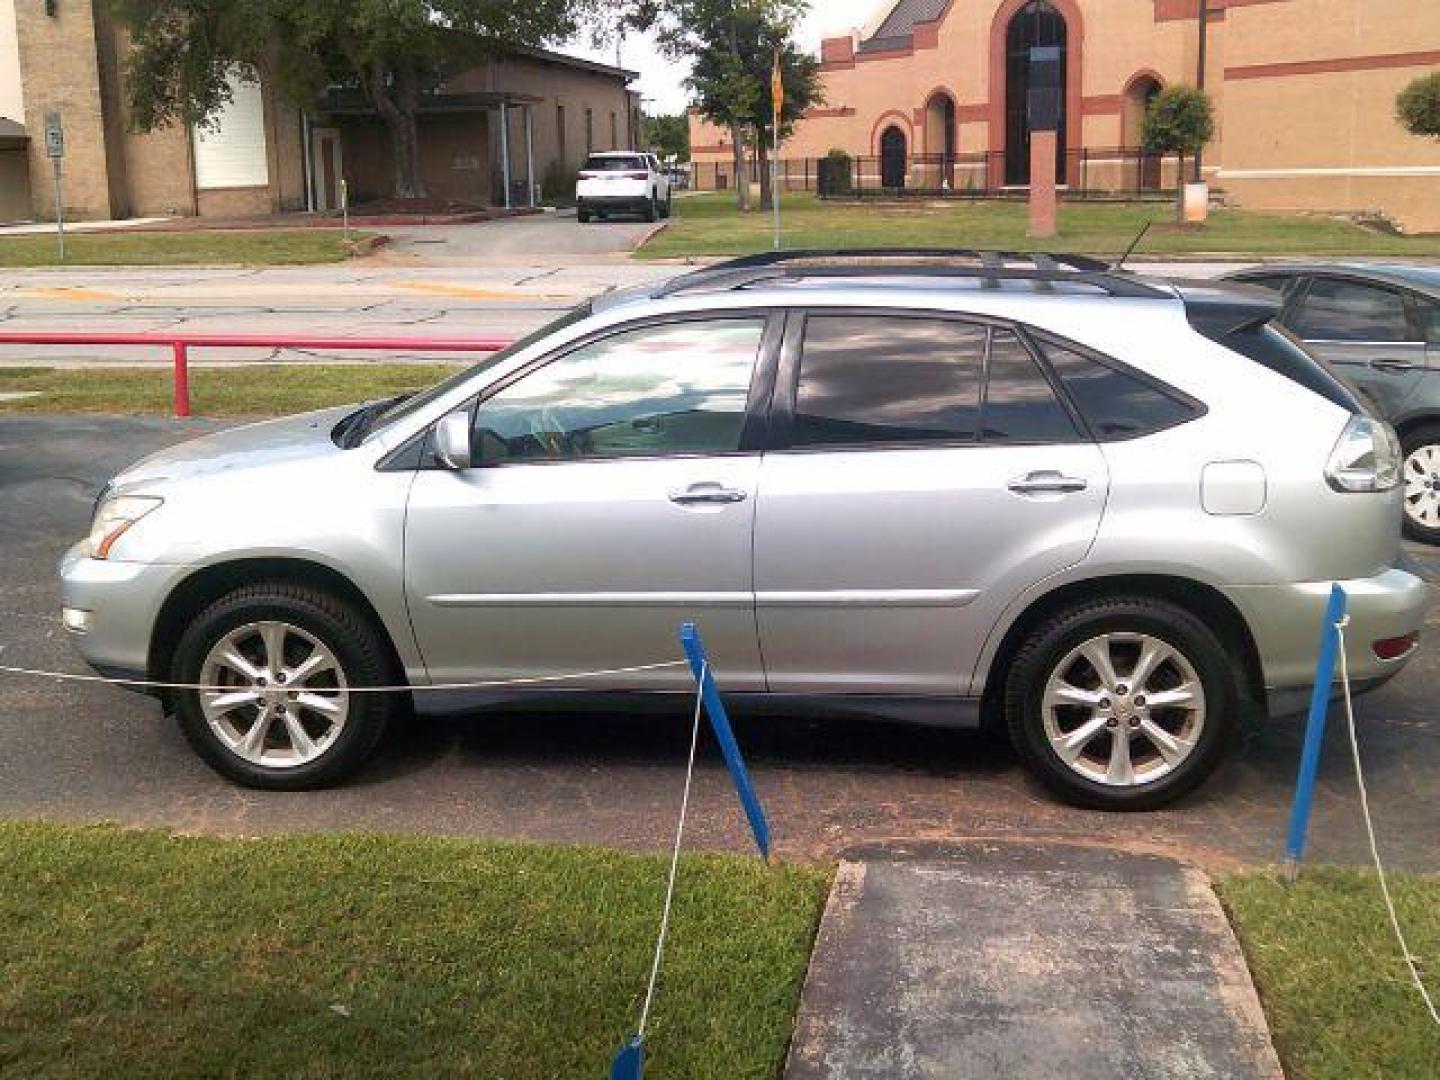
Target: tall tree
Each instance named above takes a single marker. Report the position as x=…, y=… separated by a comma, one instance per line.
x=1179, y=120
x=723, y=39
x=804, y=89
x=668, y=136
x=185, y=53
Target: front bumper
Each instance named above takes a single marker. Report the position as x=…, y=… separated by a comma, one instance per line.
x=1285, y=621
x=123, y=600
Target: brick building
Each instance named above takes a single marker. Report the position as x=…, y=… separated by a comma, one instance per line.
x=932, y=92
x=530, y=115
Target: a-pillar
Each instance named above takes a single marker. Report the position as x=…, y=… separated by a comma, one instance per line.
x=1042, y=184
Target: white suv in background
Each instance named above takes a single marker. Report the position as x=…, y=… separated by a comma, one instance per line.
x=622, y=182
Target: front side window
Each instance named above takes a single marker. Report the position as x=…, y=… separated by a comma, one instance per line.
x=676, y=388
x=1339, y=310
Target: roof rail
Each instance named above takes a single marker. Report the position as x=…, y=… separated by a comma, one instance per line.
x=1043, y=269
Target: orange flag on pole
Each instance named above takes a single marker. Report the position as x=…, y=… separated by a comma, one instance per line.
x=777, y=89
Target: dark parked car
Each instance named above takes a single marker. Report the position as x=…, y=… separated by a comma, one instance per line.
x=1379, y=327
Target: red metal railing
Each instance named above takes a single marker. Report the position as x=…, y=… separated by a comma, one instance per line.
x=181, y=344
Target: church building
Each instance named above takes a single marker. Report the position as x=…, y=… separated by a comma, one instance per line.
x=930, y=95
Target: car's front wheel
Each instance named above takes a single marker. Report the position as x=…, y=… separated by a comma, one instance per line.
x=1121, y=704
x=279, y=663
x=1421, y=448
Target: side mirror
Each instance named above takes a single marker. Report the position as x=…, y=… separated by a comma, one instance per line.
x=452, y=440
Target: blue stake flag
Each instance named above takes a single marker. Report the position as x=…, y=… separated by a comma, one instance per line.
x=629, y=1062
x=720, y=724
x=1315, y=730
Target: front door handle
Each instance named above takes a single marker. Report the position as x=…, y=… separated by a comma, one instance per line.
x=1396, y=366
x=1047, y=482
x=704, y=494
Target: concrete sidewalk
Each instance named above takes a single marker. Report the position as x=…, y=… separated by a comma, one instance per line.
x=1019, y=960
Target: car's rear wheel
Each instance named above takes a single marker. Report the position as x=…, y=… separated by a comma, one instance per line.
x=583, y=215
x=1421, y=448
x=652, y=209
x=1121, y=704
x=669, y=207
x=282, y=661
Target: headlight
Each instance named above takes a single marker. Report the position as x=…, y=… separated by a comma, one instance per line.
x=113, y=519
x=1366, y=458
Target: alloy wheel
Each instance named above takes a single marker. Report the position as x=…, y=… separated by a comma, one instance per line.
x=281, y=700
x=1123, y=709
x=1422, y=486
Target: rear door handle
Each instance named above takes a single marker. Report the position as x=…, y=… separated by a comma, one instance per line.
x=1383, y=364
x=704, y=494
x=1047, y=482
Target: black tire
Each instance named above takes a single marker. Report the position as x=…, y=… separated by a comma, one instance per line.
x=1052, y=642
x=1417, y=439
x=669, y=207
x=358, y=645
x=584, y=216
x=651, y=209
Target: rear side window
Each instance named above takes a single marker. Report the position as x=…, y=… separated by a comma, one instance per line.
x=876, y=380
x=615, y=164
x=1339, y=310
x=1115, y=402
x=1020, y=404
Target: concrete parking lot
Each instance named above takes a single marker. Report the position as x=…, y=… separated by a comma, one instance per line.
x=86, y=752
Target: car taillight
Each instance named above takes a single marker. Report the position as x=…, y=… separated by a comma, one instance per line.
x=588, y=175
x=1366, y=457
x=1392, y=648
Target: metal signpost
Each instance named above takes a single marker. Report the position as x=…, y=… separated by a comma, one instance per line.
x=55, y=150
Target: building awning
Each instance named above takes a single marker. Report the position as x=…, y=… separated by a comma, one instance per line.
x=346, y=102
x=12, y=135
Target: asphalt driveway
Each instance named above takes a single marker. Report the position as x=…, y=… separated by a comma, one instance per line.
x=82, y=752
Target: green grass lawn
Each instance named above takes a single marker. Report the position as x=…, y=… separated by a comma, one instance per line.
x=710, y=225
x=142, y=954
x=1338, y=995
x=271, y=247
x=248, y=390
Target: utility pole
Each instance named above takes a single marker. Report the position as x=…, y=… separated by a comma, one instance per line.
x=1200, y=73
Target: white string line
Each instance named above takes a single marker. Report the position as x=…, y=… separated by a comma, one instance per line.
x=151, y=684
x=1370, y=829
x=675, y=855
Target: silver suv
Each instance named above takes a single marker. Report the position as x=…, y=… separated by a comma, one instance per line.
x=952, y=488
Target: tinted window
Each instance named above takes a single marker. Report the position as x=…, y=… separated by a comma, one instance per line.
x=1020, y=405
x=1336, y=310
x=1430, y=320
x=615, y=164
x=884, y=380
x=1115, y=403
x=680, y=388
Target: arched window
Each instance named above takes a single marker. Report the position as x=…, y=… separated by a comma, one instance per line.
x=1036, y=25
x=941, y=141
x=1137, y=97
x=893, y=165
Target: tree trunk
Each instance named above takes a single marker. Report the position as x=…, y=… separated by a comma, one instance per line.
x=398, y=105
x=742, y=169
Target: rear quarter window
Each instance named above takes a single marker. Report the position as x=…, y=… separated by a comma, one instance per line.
x=1115, y=401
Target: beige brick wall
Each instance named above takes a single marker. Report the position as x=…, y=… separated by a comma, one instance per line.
x=60, y=71
x=1275, y=127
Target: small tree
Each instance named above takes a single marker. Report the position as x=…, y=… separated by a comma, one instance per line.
x=1418, y=107
x=668, y=136
x=1180, y=120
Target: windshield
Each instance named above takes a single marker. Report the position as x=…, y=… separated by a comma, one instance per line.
x=411, y=405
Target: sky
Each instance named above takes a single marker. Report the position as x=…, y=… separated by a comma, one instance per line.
x=662, y=82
